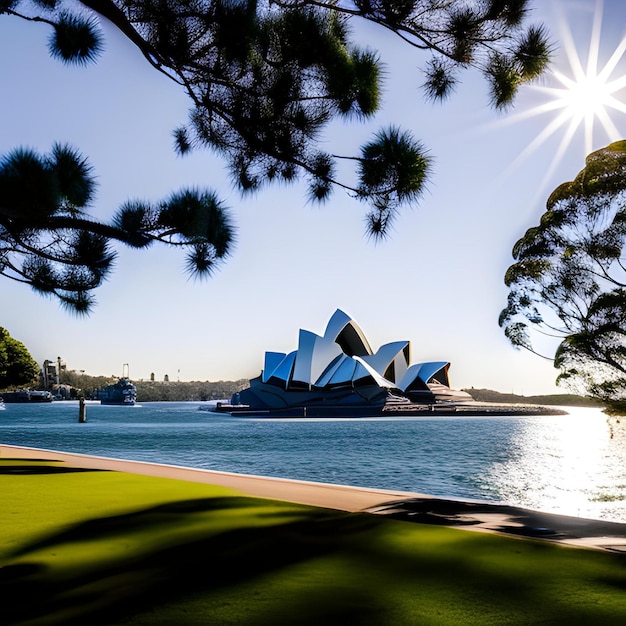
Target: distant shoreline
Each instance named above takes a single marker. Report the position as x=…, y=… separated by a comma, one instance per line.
x=565, y=399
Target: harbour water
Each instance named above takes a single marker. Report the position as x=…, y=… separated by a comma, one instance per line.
x=573, y=464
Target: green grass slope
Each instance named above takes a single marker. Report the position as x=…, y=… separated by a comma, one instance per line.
x=97, y=547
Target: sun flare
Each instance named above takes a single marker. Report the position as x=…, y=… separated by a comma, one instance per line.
x=586, y=95
x=585, y=98
x=580, y=98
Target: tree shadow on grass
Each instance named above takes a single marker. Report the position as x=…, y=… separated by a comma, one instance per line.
x=17, y=459
x=241, y=560
x=107, y=567
x=35, y=470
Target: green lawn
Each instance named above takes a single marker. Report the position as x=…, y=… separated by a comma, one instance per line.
x=94, y=547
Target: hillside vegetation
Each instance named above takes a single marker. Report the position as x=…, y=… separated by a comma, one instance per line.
x=153, y=391
x=158, y=391
x=560, y=399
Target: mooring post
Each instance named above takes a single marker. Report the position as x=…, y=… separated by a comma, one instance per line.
x=82, y=410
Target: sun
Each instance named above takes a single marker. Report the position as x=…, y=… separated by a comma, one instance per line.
x=587, y=96
x=580, y=97
x=584, y=100
x=587, y=93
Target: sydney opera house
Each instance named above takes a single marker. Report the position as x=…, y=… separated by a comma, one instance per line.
x=339, y=375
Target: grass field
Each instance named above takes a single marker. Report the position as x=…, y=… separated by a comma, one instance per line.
x=99, y=547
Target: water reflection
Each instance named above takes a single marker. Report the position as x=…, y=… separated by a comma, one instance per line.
x=574, y=464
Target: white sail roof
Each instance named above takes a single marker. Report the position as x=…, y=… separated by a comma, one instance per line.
x=343, y=356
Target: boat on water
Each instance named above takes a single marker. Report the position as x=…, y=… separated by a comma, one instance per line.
x=121, y=393
x=25, y=395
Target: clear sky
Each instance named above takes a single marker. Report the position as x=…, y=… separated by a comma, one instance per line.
x=437, y=281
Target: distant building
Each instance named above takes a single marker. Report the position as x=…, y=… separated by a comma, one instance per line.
x=51, y=372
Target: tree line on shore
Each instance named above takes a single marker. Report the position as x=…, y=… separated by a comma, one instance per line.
x=201, y=391
x=557, y=399
x=157, y=391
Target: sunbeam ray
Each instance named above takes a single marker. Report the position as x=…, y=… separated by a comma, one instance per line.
x=580, y=97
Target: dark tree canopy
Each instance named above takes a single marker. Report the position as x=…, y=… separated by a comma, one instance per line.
x=48, y=241
x=264, y=79
x=569, y=278
x=17, y=366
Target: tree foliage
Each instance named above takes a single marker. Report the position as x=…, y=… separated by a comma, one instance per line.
x=266, y=77
x=569, y=278
x=48, y=240
x=17, y=366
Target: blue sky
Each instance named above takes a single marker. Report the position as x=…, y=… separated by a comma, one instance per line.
x=437, y=281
